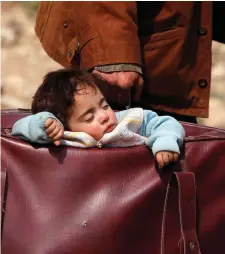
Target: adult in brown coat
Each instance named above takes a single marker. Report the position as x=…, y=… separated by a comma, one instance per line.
x=165, y=44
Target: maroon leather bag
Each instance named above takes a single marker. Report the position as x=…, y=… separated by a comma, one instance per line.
x=112, y=201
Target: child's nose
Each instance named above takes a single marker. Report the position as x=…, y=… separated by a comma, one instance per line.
x=103, y=117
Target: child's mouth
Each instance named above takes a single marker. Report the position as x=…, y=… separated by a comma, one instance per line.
x=110, y=128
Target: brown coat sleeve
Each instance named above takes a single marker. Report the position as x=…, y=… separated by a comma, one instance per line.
x=89, y=33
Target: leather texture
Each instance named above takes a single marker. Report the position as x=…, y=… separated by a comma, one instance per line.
x=113, y=200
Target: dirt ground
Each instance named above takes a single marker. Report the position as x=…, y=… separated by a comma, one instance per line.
x=24, y=63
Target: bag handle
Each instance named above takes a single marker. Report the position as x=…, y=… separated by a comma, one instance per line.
x=187, y=212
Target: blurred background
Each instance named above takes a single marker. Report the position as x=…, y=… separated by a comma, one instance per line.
x=24, y=62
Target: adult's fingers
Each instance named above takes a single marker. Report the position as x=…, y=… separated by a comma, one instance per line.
x=136, y=96
x=126, y=80
x=121, y=79
x=110, y=78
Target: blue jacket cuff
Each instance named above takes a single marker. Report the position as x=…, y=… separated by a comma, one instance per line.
x=164, y=144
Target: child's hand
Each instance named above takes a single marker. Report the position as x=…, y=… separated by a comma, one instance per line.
x=54, y=130
x=165, y=157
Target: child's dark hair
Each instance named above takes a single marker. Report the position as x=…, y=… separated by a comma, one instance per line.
x=56, y=93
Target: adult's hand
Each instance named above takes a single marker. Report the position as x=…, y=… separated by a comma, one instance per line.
x=124, y=80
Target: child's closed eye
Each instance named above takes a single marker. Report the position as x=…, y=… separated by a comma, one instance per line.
x=105, y=106
x=89, y=118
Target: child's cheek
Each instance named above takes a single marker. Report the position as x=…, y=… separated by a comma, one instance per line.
x=95, y=131
x=112, y=116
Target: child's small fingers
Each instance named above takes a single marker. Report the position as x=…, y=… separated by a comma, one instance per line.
x=175, y=156
x=159, y=159
x=57, y=142
x=58, y=136
x=51, y=128
x=165, y=158
x=160, y=163
x=48, y=122
x=54, y=133
x=170, y=156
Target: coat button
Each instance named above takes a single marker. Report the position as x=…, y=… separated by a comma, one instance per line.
x=65, y=24
x=202, y=31
x=202, y=83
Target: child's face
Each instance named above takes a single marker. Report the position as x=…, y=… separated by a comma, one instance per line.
x=91, y=114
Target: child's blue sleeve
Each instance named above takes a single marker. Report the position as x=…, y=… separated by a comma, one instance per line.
x=32, y=127
x=164, y=133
